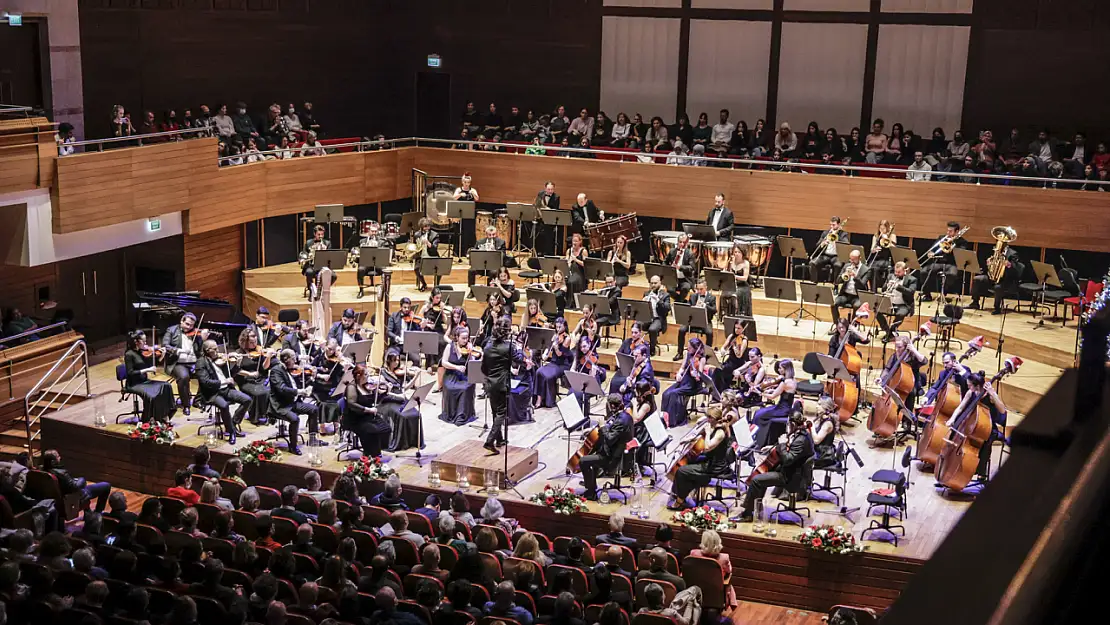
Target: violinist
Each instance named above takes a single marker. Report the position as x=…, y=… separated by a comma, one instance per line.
x=524, y=372
x=503, y=282
x=825, y=426
x=557, y=358
x=682, y=259
x=900, y=288
x=979, y=386
x=458, y=392
x=690, y=380
x=251, y=372
x=289, y=403
x=751, y=376
x=139, y=362
x=941, y=269
x=532, y=317
x=182, y=344
x=347, y=329
x=642, y=371
x=733, y=355
x=308, y=254
x=612, y=440
x=267, y=332
x=642, y=400
x=434, y=320
x=390, y=399
x=495, y=309
x=400, y=322
x=716, y=460
x=363, y=417
x=587, y=324
x=558, y=286
x=489, y=243
x=576, y=265
x=701, y=298
x=904, y=352
x=792, y=456
x=781, y=399
x=327, y=371
x=627, y=346
x=427, y=246
x=612, y=292
x=621, y=257
x=586, y=361
x=849, y=283
x=302, y=342
x=217, y=388
x=881, y=242
x=660, y=301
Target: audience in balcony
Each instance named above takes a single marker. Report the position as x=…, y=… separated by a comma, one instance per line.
x=225, y=126
x=64, y=138
x=121, y=122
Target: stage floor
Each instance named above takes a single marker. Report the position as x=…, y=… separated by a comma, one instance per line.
x=931, y=514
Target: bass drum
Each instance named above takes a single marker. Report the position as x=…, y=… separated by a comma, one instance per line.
x=716, y=255
x=662, y=242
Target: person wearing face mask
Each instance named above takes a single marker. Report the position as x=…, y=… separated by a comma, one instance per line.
x=244, y=125
x=204, y=119
x=292, y=120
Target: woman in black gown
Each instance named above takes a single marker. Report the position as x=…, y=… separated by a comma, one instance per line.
x=621, y=257
x=251, y=372
x=390, y=399
x=495, y=309
x=576, y=265
x=520, y=397
x=458, y=392
x=362, y=416
x=509, y=293
x=558, y=286
x=158, y=401
x=733, y=355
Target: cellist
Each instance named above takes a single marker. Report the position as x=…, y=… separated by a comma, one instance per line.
x=718, y=460
x=792, y=456
x=953, y=371
x=904, y=353
x=980, y=389
x=851, y=330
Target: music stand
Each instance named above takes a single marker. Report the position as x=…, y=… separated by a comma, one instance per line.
x=583, y=383
x=486, y=260
x=597, y=269
x=461, y=210
x=539, y=339
x=358, y=351
x=879, y=302
x=815, y=294
x=573, y=419
x=835, y=369
x=472, y=324
x=599, y=302
x=335, y=259
x=666, y=273
x=844, y=252
x=747, y=324
x=717, y=280
x=410, y=223
x=1046, y=275
x=420, y=342
x=556, y=218
x=905, y=255
x=791, y=247
x=375, y=257
x=475, y=375
x=625, y=362
x=967, y=261
x=548, y=265
x=482, y=293
x=329, y=214
x=521, y=212
x=783, y=290
x=454, y=299
x=658, y=438
x=636, y=310
x=700, y=232
x=435, y=266
x=693, y=317
x=545, y=299
x=415, y=402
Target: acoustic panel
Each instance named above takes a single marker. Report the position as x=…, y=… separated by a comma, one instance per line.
x=827, y=5
x=639, y=66
x=919, y=76
x=821, y=74
x=928, y=6
x=728, y=69
x=759, y=5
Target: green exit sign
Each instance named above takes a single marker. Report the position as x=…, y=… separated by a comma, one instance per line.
x=153, y=224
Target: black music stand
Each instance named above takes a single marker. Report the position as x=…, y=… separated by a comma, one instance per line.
x=416, y=401
x=636, y=310
x=625, y=362
x=473, y=324
x=336, y=259
x=482, y=293
x=1046, y=275
x=376, y=259
x=548, y=265
x=539, y=339
x=573, y=419
x=717, y=280
x=410, y=223
x=420, y=342
x=486, y=260
x=816, y=294
x=453, y=298
x=435, y=266
x=905, y=255
x=586, y=384
x=747, y=324
x=359, y=351
x=330, y=214
x=782, y=290
x=545, y=299
x=597, y=269
x=521, y=212
x=599, y=302
x=475, y=375
x=844, y=254
x=700, y=232
x=792, y=247
x=967, y=261
x=556, y=218
x=666, y=273
x=461, y=210
x=693, y=317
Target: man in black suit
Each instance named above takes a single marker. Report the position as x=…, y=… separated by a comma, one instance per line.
x=263, y=329
x=212, y=586
x=492, y=243
x=720, y=217
x=217, y=387
x=287, y=402
x=573, y=558
x=303, y=544
x=900, y=287
x=397, y=325
x=308, y=253
x=682, y=259
x=827, y=257
x=498, y=359
x=613, y=293
x=1008, y=285
x=300, y=341
x=182, y=352
x=616, y=534
x=546, y=198
x=288, y=508
x=660, y=300
x=792, y=456
x=117, y=508
x=658, y=570
x=583, y=213
x=701, y=297
x=941, y=272
x=341, y=330
x=854, y=276
x=615, y=434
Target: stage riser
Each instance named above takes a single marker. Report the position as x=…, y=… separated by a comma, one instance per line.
x=403, y=275
x=767, y=570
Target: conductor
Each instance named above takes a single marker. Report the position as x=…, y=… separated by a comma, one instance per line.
x=498, y=359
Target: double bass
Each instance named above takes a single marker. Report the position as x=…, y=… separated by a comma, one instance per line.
x=845, y=394
x=885, y=414
x=969, y=431
x=947, y=401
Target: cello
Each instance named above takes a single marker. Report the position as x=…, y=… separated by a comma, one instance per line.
x=885, y=415
x=969, y=431
x=845, y=394
x=947, y=401
x=689, y=450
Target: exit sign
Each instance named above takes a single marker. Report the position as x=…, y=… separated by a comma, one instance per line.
x=15, y=19
x=154, y=224
x=434, y=60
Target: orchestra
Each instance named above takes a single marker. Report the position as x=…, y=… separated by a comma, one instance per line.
x=701, y=298
x=182, y=343
x=217, y=388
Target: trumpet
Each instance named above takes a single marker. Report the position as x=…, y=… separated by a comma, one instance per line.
x=849, y=273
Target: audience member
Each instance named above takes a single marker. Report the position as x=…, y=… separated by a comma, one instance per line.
x=288, y=508
x=399, y=523
x=429, y=563
x=390, y=497
x=658, y=570
x=460, y=509
x=183, y=487
x=616, y=534
x=430, y=508
x=503, y=604
x=313, y=484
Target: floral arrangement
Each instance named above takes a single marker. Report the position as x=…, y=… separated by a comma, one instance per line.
x=257, y=452
x=559, y=499
x=830, y=539
x=367, y=468
x=160, y=433
x=702, y=518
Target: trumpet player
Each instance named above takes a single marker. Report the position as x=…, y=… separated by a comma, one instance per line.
x=900, y=288
x=491, y=243
x=851, y=280
x=825, y=257
x=881, y=243
x=1007, y=285
x=701, y=298
x=942, y=263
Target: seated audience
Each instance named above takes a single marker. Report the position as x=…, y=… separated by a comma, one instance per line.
x=658, y=570
x=314, y=487
x=503, y=604
x=390, y=497
x=430, y=508
x=616, y=535
x=429, y=563
x=288, y=508
x=201, y=459
x=183, y=487
x=493, y=513
x=711, y=548
x=399, y=523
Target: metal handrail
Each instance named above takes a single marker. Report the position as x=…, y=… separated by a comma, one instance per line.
x=202, y=131
x=77, y=346
x=361, y=145
x=11, y=109
x=32, y=331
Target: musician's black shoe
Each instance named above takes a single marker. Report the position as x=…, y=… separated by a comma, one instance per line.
x=590, y=495
x=296, y=451
x=676, y=504
x=888, y=337
x=996, y=311
x=974, y=305
x=926, y=297
x=745, y=517
x=492, y=449
x=677, y=357
x=230, y=438
x=185, y=410
x=359, y=296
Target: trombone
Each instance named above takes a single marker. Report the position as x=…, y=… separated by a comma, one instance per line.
x=832, y=237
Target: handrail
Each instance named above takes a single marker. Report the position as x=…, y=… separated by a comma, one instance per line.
x=361, y=145
x=200, y=131
x=29, y=418
x=32, y=331
x=12, y=109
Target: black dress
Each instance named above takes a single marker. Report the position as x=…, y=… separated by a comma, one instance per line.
x=406, y=424
x=620, y=272
x=576, y=274
x=373, y=430
x=458, y=392
x=158, y=401
x=255, y=387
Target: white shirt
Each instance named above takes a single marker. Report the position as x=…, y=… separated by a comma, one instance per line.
x=1080, y=152
x=830, y=249
x=722, y=133
x=895, y=295
x=220, y=374
x=717, y=212
x=345, y=339
x=850, y=286
x=186, y=355
x=919, y=173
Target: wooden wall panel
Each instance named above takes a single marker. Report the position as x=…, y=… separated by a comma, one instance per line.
x=299, y=184
x=26, y=154
x=231, y=195
x=18, y=285
x=214, y=263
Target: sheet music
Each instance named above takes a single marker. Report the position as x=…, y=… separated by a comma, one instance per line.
x=657, y=432
x=571, y=412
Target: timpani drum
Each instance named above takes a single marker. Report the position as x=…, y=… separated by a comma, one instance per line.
x=716, y=255
x=757, y=249
x=663, y=241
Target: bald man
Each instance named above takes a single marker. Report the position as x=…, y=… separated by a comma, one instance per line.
x=583, y=213
x=851, y=280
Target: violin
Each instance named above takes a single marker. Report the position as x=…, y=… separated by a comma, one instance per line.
x=411, y=317
x=153, y=351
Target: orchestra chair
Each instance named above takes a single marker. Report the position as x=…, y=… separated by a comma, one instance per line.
x=618, y=472
x=268, y=498
x=448, y=557
x=412, y=582
x=947, y=320
x=367, y=545
x=282, y=433
x=206, y=516
x=219, y=547
x=285, y=529
x=593, y=612
x=525, y=601
x=308, y=505
x=406, y=551
x=533, y=273
x=899, y=482
x=209, y=610
x=798, y=485
x=707, y=574
x=491, y=565
x=628, y=559
x=1080, y=303
x=211, y=418
x=419, y=523
x=1042, y=295
x=703, y=495
x=375, y=516
x=646, y=618
x=480, y=598
x=838, y=467
x=811, y=388
x=669, y=590
x=124, y=392
x=348, y=440
x=231, y=490
x=502, y=536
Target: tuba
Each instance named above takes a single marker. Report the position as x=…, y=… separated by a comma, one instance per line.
x=996, y=264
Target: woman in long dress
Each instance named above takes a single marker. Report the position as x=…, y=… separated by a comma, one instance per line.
x=520, y=397
x=458, y=391
x=157, y=396
x=390, y=398
x=363, y=417
x=690, y=382
x=735, y=354
x=742, y=268
x=559, y=356
x=251, y=371
x=557, y=286
x=621, y=257
x=576, y=267
x=779, y=410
